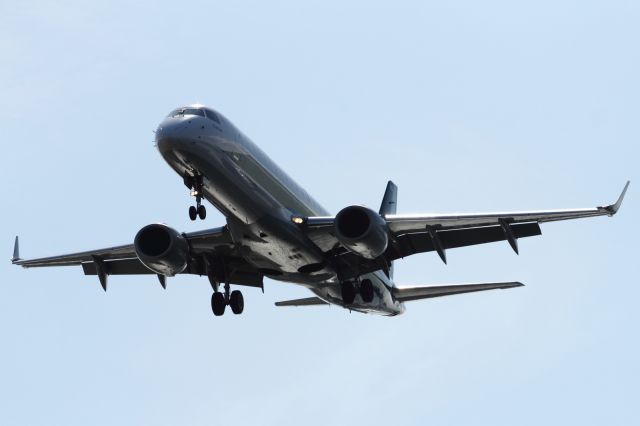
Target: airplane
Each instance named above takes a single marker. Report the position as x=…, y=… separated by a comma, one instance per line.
x=277, y=230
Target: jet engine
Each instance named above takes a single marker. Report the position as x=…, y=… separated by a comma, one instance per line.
x=162, y=249
x=362, y=231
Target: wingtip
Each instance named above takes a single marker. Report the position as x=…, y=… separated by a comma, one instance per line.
x=613, y=208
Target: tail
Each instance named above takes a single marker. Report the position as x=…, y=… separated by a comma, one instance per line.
x=16, y=251
x=389, y=205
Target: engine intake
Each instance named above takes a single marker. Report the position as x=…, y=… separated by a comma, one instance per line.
x=362, y=231
x=162, y=249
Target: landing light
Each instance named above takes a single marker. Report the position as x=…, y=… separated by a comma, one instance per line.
x=297, y=220
x=194, y=193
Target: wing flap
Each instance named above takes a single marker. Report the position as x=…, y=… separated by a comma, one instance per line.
x=118, y=267
x=406, y=294
x=420, y=242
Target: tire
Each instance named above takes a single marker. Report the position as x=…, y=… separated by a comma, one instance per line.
x=236, y=301
x=348, y=292
x=193, y=213
x=366, y=291
x=202, y=212
x=218, y=304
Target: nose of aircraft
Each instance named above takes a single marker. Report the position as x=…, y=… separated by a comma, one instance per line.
x=173, y=132
x=167, y=131
x=187, y=127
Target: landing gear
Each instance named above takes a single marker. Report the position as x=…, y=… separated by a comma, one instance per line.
x=195, y=184
x=220, y=300
x=348, y=291
x=218, y=304
x=366, y=291
x=236, y=301
x=202, y=212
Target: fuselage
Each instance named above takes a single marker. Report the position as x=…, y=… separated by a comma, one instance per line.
x=259, y=201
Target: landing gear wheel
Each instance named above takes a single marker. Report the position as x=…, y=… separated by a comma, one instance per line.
x=202, y=212
x=218, y=303
x=193, y=213
x=366, y=291
x=348, y=292
x=236, y=301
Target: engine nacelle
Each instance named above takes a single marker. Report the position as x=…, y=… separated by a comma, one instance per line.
x=162, y=249
x=362, y=231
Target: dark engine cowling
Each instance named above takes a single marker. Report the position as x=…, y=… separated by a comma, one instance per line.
x=162, y=249
x=362, y=231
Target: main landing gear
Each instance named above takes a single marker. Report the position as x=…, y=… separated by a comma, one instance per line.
x=194, y=183
x=217, y=273
x=349, y=290
x=220, y=300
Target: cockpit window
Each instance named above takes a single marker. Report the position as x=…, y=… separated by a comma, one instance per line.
x=212, y=115
x=186, y=111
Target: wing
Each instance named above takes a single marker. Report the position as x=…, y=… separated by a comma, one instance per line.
x=408, y=223
x=215, y=243
x=406, y=294
x=411, y=234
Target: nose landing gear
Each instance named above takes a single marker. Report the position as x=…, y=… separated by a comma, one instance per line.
x=194, y=183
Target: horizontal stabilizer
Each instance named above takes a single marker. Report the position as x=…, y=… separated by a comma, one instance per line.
x=308, y=301
x=406, y=294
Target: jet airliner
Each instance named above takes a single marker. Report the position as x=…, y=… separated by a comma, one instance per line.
x=275, y=229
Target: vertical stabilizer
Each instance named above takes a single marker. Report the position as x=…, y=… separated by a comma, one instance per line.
x=16, y=251
x=388, y=206
x=390, y=199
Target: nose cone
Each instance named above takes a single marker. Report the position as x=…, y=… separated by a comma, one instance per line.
x=177, y=132
x=169, y=132
x=182, y=129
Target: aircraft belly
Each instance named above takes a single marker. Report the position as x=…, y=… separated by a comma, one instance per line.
x=255, y=205
x=383, y=302
x=280, y=250
x=259, y=225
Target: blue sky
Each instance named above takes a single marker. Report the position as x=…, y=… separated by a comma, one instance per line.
x=467, y=106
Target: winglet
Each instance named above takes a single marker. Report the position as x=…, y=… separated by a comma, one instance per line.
x=613, y=208
x=16, y=251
